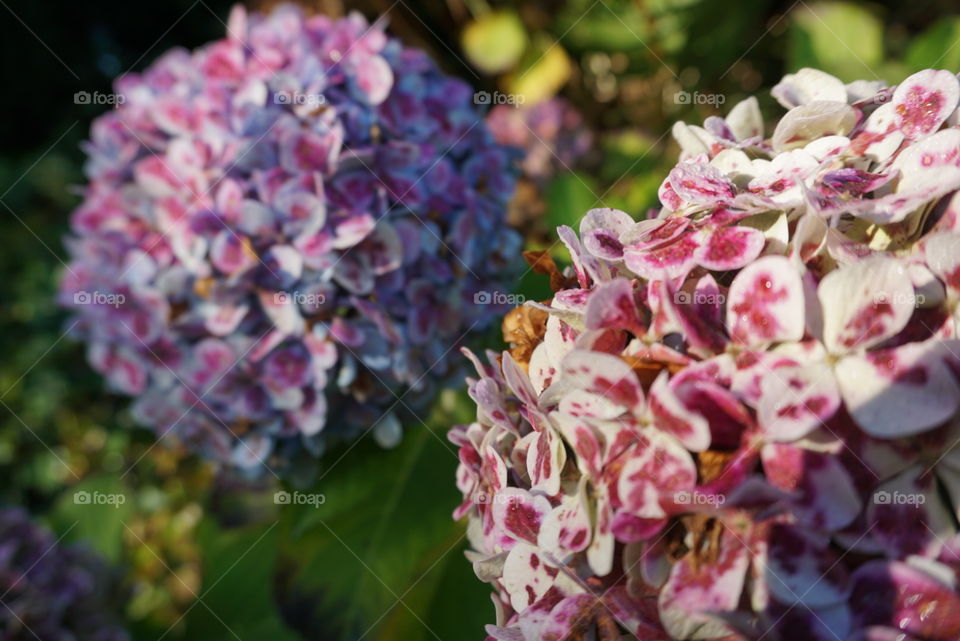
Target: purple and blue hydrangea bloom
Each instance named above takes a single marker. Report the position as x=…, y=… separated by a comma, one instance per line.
x=283, y=232
x=52, y=590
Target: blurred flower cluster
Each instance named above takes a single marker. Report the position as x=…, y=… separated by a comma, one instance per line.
x=54, y=591
x=288, y=223
x=737, y=419
x=551, y=133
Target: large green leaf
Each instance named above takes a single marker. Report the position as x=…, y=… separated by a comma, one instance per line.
x=936, y=47
x=94, y=511
x=237, y=599
x=569, y=196
x=842, y=38
x=381, y=558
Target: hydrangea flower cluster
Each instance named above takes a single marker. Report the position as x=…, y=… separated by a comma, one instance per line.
x=291, y=223
x=551, y=134
x=52, y=591
x=738, y=418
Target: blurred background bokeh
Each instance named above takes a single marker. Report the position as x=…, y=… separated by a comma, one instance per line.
x=589, y=89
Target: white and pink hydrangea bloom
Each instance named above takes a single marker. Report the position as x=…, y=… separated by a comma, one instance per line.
x=740, y=420
x=286, y=225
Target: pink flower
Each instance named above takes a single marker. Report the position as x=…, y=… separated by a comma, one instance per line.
x=740, y=422
x=286, y=224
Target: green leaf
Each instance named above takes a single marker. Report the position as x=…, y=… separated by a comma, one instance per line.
x=236, y=600
x=569, y=196
x=94, y=511
x=381, y=557
x=618, y=25
x=936, y=47
x=841, y=38
x=495, y=41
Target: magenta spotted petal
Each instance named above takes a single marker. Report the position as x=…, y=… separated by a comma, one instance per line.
x=794, y=401
x=766, y=303
x=924, y=100
x=729, y=248
x=907, y=599
x=699, y=184
x=864, y=304
x=606, y=376
x=696, y=593
x=912, y=379
x=663, y=473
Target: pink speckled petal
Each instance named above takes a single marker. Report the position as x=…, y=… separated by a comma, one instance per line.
x=794, y=401
x=865, y=303
x=924, y=101
x=899, y=391
x=730, y=248
x=766, y=303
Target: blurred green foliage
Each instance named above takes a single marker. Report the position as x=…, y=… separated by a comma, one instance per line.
x=213, y=557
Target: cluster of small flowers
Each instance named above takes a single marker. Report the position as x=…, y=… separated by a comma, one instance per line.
x=286, y=223
x=52, y=591
x=738, y=418
x=551, y=134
